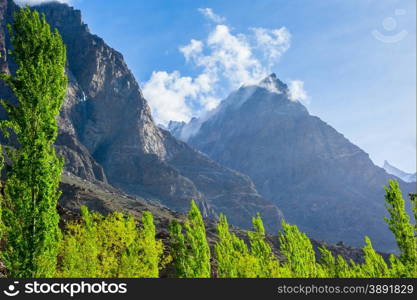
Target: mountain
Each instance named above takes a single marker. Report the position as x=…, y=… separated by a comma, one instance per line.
x=407, y=177
x=321, y=181
x=107, y=134
x=175, y=127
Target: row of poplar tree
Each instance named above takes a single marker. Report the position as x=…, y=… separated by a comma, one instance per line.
x=33, y=245
x=234, y=258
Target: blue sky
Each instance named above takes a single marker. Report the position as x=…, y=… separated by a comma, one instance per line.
x=353, y=62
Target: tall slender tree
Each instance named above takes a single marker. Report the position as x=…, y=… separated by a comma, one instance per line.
x=268, y=264
x=399, y=224
x=299, y=252
x=190, y=251
x=31, y=192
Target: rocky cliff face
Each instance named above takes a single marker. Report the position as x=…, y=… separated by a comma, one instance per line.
x=322, y=182
x=107, y=132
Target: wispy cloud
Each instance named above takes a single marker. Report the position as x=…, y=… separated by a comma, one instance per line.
x=35, y=2
x=297, y=91
x=209, y=14
x=272, y=42
x=226, y=60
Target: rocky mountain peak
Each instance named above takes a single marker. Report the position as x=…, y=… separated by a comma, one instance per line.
x=68, y=15
x=268, y=96
x=322, y=182
x=175, y=127
x=273, y=84
x=407, y=177
x=267, y=99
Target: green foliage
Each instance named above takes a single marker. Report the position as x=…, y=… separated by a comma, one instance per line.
x=374, y=266
x=268, y=265
x=413, y=200
x=397, y=268
x=31, y=193
x=299, y=252
x=399, y=224
x=112, y=246
x=232, y=254
x=235, y=260
x=328, y=263
x=190, y=251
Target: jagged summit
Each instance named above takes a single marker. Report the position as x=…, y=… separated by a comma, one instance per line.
x=268, y=91
x=67, y=13
x=407, y=177
x=273, y=84
x=268, y=95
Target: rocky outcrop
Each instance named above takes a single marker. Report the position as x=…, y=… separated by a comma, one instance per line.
x=107, y=133
x=323, y=183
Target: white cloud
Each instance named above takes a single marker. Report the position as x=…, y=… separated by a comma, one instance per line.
x=297, y=92
x=210, y=102
x=193, y=49
x=167, y=93
x=209, y=14
x=225, y=59
x=35, y=2
x=231, y=57
x=273, y=42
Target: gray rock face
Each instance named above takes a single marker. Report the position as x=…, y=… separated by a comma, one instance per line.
x=175, y=127
x=107, y=133
x=322, y=182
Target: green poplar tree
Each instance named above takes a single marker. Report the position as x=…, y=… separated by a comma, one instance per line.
x=299, y=252
x=224, y=250
x=399, y=224
x=268, y=264
x=31, y=192
x=150, y=248
x=234, y=259
x=328, y=263
x=190, y=251
x=374, y=266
